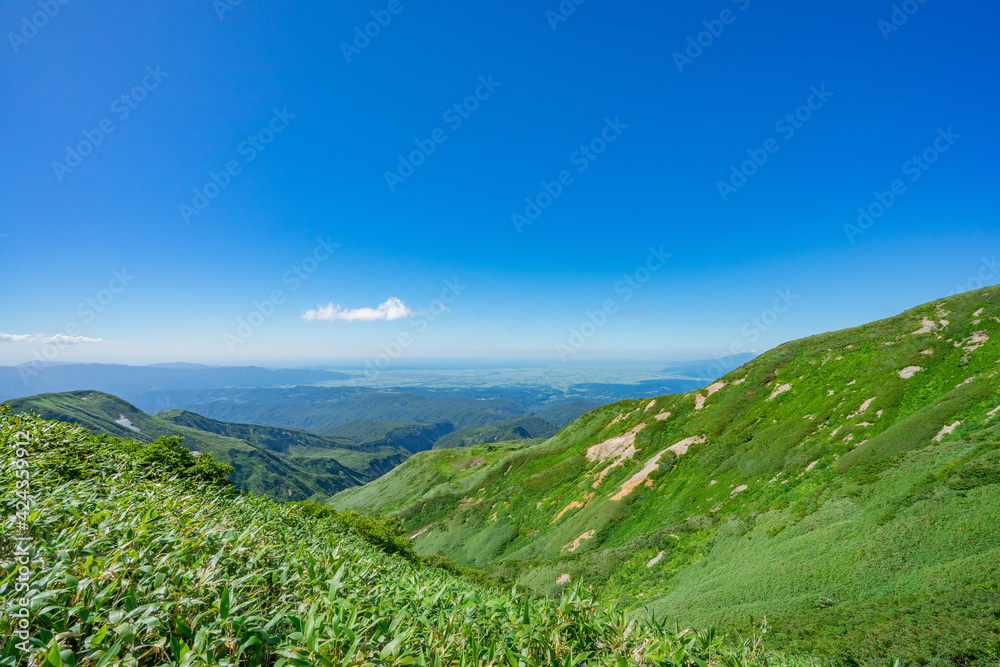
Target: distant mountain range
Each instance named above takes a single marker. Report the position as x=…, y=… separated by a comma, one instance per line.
x=130, y=382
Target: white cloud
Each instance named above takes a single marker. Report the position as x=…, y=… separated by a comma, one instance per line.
x=392, y=309
x=60, y=339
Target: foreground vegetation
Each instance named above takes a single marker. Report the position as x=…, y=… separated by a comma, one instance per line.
x=140, y=554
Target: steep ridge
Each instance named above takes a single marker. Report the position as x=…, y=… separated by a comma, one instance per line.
x=285, y=464
x=846, y=485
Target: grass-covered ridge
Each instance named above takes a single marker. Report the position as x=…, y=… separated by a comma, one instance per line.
x=138, y=554
x=846, y=485
x=282, y=463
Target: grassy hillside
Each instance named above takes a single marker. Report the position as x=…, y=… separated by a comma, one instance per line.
x=846, y=485
x=136, y=556
x=525, y=427
x=279, y=463
x=429, y=475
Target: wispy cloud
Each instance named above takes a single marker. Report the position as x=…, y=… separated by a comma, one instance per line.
x=61, y=339
x=392, y=309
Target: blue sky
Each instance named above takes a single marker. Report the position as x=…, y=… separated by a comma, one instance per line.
x=641, y=138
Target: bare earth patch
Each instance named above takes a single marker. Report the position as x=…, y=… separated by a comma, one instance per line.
x=654, y=464
x=947, y=430
x=127, y=423
x=663, y=415
x=909, y=372
x=655, y=559
x=573, y=505
x=926, y=326
x=712, y=388
x=681, y=447
x=469, y=502
x=699, y=401
x=468, y=463
x=421, y=531
x=779, y=390
x=738, y=489
x=575, y=544
x=563, y=578
x=864, y=406
x=651, y=405
x=651, y=465
x=618, y=446
x=973, y=343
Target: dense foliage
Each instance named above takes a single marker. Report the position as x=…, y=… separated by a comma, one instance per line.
x=137, y=555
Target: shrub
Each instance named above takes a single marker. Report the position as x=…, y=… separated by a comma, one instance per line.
x=382, y=531
x=167, y=454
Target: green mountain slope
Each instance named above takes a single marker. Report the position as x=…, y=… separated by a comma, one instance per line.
x=280, y=463
x=846, y=485
x=525, y=427
x=430, y=474
x=124, y=554
x=305, y=449
x=415, y=436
